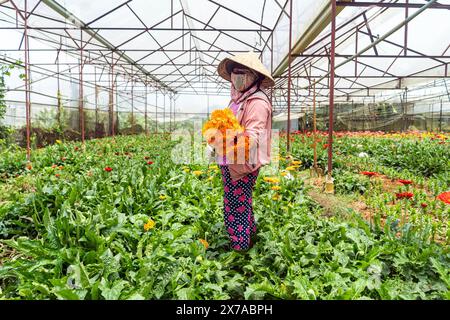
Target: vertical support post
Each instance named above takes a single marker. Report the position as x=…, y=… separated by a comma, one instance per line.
x=356, y=52
x=288, y=146
x=116, y=112
x=405, y=45
x=145, y=111
x=404, y=109
x=81, y=91
x=174, y=114
x=58, y=94
x=352, y=122
x=170, y=112
x=27, y=82
x=440, y=118
x=271, y=54
x=329, y=186
x=111, y=99
x=314, y=128
x=96, y=102
x=164, y=113
x=156, y=111
x=132, y=101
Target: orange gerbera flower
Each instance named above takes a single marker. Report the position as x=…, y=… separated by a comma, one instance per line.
x=224, y=132
x=204, y=243
x=444, y=197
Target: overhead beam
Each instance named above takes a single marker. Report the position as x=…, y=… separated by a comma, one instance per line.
x=389, y=5
x=321, y=21
x=79, y=23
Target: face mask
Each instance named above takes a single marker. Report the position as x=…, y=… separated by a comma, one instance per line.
x=242, y=79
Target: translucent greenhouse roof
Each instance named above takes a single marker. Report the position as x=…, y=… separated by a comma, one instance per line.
x=174, y=46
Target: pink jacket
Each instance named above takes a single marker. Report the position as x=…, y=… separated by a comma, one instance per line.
x=255, y=115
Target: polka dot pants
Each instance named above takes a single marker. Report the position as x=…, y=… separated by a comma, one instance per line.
x=237, y=208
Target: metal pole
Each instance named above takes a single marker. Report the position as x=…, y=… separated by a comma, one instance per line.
x=288, y=146
x=81, y=93
x=331, y=108
x=432, y=109
x=146, y=107
x=156, y=111
x=111, y=101
x=404, y=109
x=164, y=113
x=405, y=46
x=27, y=83
x=440, y=118
x=113, y=132
x=132, y=102
x=380, y=39
x=170, y=113
x=96, y=102
x=314, y=128
x=58, y=93
x=356, y=51
x=116, y=113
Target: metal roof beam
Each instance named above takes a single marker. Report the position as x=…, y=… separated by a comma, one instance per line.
x=68, y=15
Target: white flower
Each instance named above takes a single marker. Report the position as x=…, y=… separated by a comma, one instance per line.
x=289, y=176
x=363, y=155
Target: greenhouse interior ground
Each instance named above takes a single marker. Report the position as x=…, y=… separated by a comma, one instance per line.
x=99, y=201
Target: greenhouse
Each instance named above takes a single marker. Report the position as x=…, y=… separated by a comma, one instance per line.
x=224, y=150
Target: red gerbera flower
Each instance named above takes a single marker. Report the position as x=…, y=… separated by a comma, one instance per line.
x=424, y=205
x=76, y=148
x=108, y=169
x=405, y=182
x=63, y=159
x=404, y=195
x=369, y=173
x=326, y=145
x=444, y=197
x=150, y=162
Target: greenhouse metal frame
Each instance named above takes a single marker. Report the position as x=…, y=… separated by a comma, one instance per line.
x=302, y=60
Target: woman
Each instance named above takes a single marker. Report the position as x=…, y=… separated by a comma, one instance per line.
x=253, y=109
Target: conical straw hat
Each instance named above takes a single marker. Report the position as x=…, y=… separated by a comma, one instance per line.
x=250, y=60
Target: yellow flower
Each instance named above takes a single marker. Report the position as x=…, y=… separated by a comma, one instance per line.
x=276, y=188
x=284, y=174
x=271, y=179
x=276, y=197
x=213, y=166
x=204, y=243
x=162, y=197
x=149, y=225
x=58, y=141
x=187, y=170
x=197, y=172
x=296, y=163
x=210, y=178
x=291, y=168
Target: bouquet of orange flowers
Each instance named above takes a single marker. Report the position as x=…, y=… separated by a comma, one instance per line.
x=223, y=124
